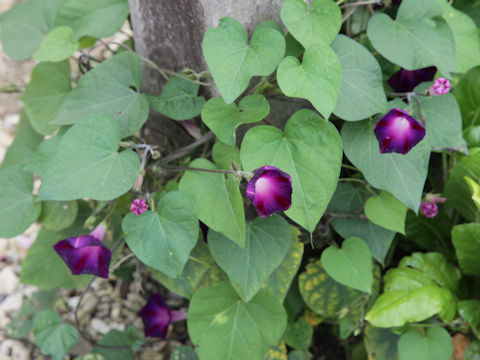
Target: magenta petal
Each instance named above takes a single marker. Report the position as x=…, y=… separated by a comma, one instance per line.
x=398, y=132
x=156, y=317
x=406, y=80
x=84, y=255
x=430, y=210
x=99, y=232
x=178, y=315
x=270, y=190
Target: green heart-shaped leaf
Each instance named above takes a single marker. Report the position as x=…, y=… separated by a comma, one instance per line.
x=233, y=62
x=434, y=344
x=276, y=352
x=58, y=215
x=225, y=327
x=312, y=23
x=469, y=310
x=361, y=93
x=467, y=93
x=267, y=243
x=44, y=153
x=417, y=38
x=52, y=336
x=111, y=89
x=217, y=199
x=316, y=79
x=163, y=239
x=351, y=265
x=58, y=45
x=310, y=150
x=466, y=240
x=386, y=211
x=381, y=343
x=86, y=163
x=223, y=119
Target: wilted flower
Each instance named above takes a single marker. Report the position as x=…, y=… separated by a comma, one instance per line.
x=441, y=86
x=406, y=80
x=270, y=190
x=398, y=132
x=138, y=207
x=138, y=183
x=429, y=209
x=156, y=316
x=86, y=254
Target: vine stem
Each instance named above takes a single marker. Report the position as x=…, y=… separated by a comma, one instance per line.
x=405, y=94
x=186, y=149
x=359, y=3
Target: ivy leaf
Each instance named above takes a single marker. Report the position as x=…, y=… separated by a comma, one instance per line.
x=235, y=328
x=466, y=240
x=298, y=334
x=351, y=265
x=223, y=119
x=18, y=207
x=377, y=238
x=45, y=94
x=224, y=154
x=178, y=100
x=386, y=211
x=381, y=343
x=279, y=281
x=401, y=175
x=87, y=164
x=435, y=344
x=200, y=271
x=310, y=24
x=347, y=198
x=310, y=150
x=58, y=45
x=361, y=93
x=467, y=93
x=233, y=62
x=111, y=89
x=115, y=338
x=316, y=79
x=88, y=17
x=44, y=153
x=52, y=336
x=267, y=243
x=24, y=26
x=58, y=215
x=217, y=200
x=417, y=38
x=164, y=239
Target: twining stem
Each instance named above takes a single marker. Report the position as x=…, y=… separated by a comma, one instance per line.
x=350, y=167
x=405, y=94
x=186, y=149
x=122, y=260
x=358, y=3
x=209, y=170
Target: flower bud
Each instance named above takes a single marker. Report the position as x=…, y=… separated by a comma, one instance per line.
x=429, y=209
x=138, y=206
x=441, y=86
x=270, y=190
x=398, y=132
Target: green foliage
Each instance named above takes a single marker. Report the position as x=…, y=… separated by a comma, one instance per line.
x=115, y=338
x=217, y=200
x=306, y=140
x=350, y=265
x=466, y=239
x=44, y=153
x=468, y=96
x=86, y=163
x=435, y=343
x=267, y=243
x=163, y=239
x=233, y=62
x=276, y=352
x=247, y=330
x=385, y=210
x=381, y=343
x=223, y=119
x=58, y=215
x=52, y=336
x=298, y=334
x=184, y=353
x=58, y=45
x=469, y=310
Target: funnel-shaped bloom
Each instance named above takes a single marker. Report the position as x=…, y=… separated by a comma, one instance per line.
x=441, y=86
x=406, y=80
x=270, y=190
x=429, y=209
x=86, y=254
x=398, y=132
x=138, y=206
x=156, y=316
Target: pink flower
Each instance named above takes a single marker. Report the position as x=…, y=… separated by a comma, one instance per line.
x=429, y=209
x=138, y=207
x=441, y=86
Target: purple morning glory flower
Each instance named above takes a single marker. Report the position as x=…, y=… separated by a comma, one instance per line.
x=270, y=190
x=156, y=316
x=441, y=86
x=429, y=209
x=398, y=132
x=138, y=207
x=406, y=80
x=86, y=254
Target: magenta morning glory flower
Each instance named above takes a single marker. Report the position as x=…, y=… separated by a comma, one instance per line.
x=429, y=209
x=441, y=86
x=406, y=80
x=86, y=254
x=270, y=190
x=156, y=316
x=398, y=132
x=138, y=207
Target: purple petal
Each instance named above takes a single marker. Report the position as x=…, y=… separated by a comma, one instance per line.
x=84, y=255
x=156, y=317
x=99, y=232
x=429, y=209
x=178, y=315
x=406, y=80
x=270, y=190
x=398, y=132
x=138, y=207
x=441, y=86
